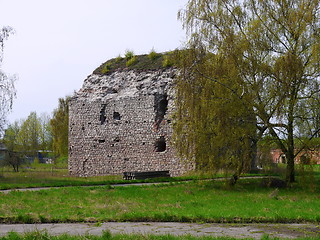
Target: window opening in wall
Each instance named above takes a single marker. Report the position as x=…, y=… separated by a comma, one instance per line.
x=160, y=144
x=103, y=114
x=116, y=116
x=160, y=108
x=84, y=163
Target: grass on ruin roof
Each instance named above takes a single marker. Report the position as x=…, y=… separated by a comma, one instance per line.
x=143, y=62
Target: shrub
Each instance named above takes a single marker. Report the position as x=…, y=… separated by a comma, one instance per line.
x=61, y=162
x=167, y=61
x=153, y=55
x=36, y=160
x=129, y=55
x=106, y=68
x=131, y=61
x=118, y=59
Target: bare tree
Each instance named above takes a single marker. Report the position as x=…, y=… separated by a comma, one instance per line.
x=7, y=89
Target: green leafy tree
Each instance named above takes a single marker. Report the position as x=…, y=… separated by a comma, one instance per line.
x=29, y=137
x=7, y=90
x=274, y=46
x=25, y=138
x=14, y=160
x=59, y=127
x=45, y=132
x=11, y=136
x=13, y=157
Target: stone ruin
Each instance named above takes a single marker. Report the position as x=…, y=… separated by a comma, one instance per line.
x=121, y=122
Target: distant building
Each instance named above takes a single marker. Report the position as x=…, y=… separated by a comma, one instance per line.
x=305, y=156
x=3, y=151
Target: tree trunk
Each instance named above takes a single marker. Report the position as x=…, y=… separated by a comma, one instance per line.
x=290, y=176
x=233, y=180
x=253, y=154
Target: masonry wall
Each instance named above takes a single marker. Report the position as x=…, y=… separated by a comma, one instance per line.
x=118, y=135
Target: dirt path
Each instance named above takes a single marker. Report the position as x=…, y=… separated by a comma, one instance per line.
x=48, y=188
x=207, y=229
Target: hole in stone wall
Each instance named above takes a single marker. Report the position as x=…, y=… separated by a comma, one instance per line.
x=160, y=108
x=112, y=90
x=160, y=144
x=101, y=140
x=117, y=139
x=103, y=114
x=116, y=116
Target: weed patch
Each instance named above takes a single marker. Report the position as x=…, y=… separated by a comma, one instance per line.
x=152, y=61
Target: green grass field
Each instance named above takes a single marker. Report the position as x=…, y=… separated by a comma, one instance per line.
x=48, y=175
x=201, y=201
x=195, y=201
x=45, y=176
x=30, y=178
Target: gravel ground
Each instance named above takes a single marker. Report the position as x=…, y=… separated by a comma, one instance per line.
x=255, y=231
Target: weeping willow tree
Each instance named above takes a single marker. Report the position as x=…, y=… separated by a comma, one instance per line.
x=274, y=48
x=214, y=125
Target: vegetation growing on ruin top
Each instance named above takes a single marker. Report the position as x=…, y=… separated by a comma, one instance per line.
x=151, y=61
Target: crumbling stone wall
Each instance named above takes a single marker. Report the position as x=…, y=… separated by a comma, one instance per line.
x=122, y=122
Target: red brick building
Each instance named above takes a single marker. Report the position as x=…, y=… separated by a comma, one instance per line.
x=307, y=156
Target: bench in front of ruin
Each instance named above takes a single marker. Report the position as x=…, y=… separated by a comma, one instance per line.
x=145, y=175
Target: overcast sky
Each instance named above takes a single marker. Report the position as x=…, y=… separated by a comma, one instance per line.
x=58, y=43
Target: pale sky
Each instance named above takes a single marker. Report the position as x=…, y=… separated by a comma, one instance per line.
x=58, y=43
